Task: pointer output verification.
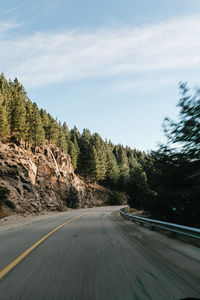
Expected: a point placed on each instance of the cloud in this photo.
(141, 85)
(46, 58)
(4, 12)
(6, 27)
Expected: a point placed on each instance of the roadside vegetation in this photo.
(172, 189)
(72, 200)
(165, 182)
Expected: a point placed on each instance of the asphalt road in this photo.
(98, 256)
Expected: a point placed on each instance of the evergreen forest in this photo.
(164, 183)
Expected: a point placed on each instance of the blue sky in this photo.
(110, 66)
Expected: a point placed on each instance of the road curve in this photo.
(97, 256)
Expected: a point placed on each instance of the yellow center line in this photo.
(9, 267)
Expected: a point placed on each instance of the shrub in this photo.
(72, 200)
(116, 198)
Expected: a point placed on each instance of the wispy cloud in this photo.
(44, 58)
(6, 27)
(8, 11)
(141, 85)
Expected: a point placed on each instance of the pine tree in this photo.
(3, 84)
(66, 131)
(91, 156)
(18, 110)
(74, 133)
(74, 151)
(122, 162)
(75, 139)
(18, 117)
(37, 131)
(6, 96)
(112, 171)
(45, 122)
(84, 143)
(137, 188)
(186, 131)
(52, 130)
(133, 162)
(94, 165)
(4, 126)
(73, 154)
(73, 200)
(75, 142)
(62, 142)
(29, 112)
(101, 152)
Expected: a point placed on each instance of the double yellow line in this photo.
(9, 267)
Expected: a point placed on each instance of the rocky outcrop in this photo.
(41, 180)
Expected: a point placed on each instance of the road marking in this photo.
(9, 267)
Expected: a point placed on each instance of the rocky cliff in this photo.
(41, 180)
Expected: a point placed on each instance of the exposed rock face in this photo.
(41, 181)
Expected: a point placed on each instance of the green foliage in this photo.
(45, 122)
(173, 173)
(92, 157)
(72, 200)
(29, 112)
(4, 125)
(100, 159)
(175, 181)
(94, 165)
(66, 131)
(6, 96)
(18, 110)
(52, 130)
(137, 187)
(83, 167)
(165, 182)
(36, 128)
(116, 198)
(122, 161)
(73, 154)
(112, 170)
(62, 141)
(186, 131)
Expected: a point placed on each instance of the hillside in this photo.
(42, 180)
(44, 165)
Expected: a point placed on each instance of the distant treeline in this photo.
(166, 183)
(92, 157)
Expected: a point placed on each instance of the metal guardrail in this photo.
(183, 230)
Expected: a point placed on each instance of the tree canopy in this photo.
(165, 182)
(92, 157)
